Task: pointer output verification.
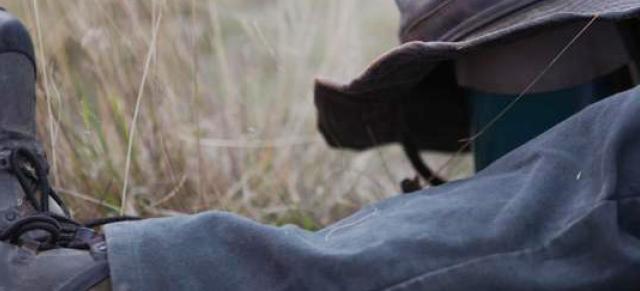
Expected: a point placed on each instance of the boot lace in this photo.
(47, 230)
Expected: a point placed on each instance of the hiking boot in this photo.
(23, 167)
(41, 247)
(57, 269)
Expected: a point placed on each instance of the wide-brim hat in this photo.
(412, 90)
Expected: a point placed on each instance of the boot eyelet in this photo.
(10, 216)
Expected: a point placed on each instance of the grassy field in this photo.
(160, 108)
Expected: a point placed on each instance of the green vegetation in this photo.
(222, 94)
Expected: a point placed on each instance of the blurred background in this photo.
(160, 108)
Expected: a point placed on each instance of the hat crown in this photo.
(443, 20)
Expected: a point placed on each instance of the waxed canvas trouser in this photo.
(561, 212)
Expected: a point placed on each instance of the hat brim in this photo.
(375, 108)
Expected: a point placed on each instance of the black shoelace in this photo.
(48, 230)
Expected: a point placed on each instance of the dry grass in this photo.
(219, 94)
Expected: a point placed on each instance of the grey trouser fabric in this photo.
(560, 213)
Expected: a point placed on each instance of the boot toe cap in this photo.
(14, 36)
